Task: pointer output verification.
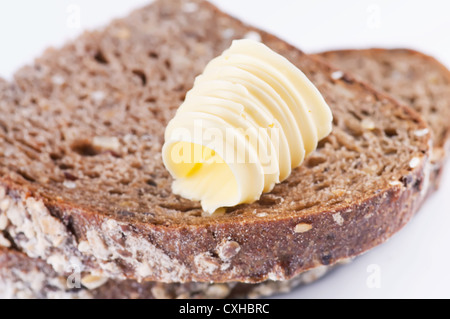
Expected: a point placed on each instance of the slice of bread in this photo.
(413, 78)
(82, 181)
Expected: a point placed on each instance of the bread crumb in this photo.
(160, 293)
(253, 35)
(106, 143)
(206, 263)
(395, 183)
(302, 228)
(58, 80)
(338, 219)
(70, 184)
(98, 96)
(338, 192)
(337, 75)
(190, 7)
(228, 33)
(420, 133)
(4, 242)
(93, 282)
(123, 33)
(217, 291)
(314, 274)
(413, 163)
(58, 262)
(368, 124)
(84, 247)
(4, 222)
(143, 270)
(97, 244)
(228, 249)
(4, 204)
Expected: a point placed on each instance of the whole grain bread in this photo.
(413, 78)
(82, 180)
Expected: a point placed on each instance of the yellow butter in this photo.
(251, 117)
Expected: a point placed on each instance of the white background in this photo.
(415, 262)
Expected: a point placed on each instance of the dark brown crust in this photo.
(269, 246)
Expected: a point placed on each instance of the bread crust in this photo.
(22, 277)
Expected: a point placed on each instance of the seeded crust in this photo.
(413, 78)
(82, 181)
(22, 277)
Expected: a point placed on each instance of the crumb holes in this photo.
(321, 186)
(412, 100)
(390, 151)
(26, 176)
(356, 116)
(390, 132)
(150, 100)
(168, 64)
(366, 113)
(100, 58)
(115, 192)
(141, 75)
(323, 142)
(418, 184)
(125, 181)
(268, 201)
(381, 170)
(153, 55)
(346, 78)
(84, 148)
(151, 182)
(335, 121)
(154, 112)
(179, 88)
(107, 123)
(70, 177)
(326, 259)
(406, 180)
(64, 166)
(3, 127)
(92, 175)
(315, 161)
(55, 156)
(163, 78)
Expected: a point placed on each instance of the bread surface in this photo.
(413, 78)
